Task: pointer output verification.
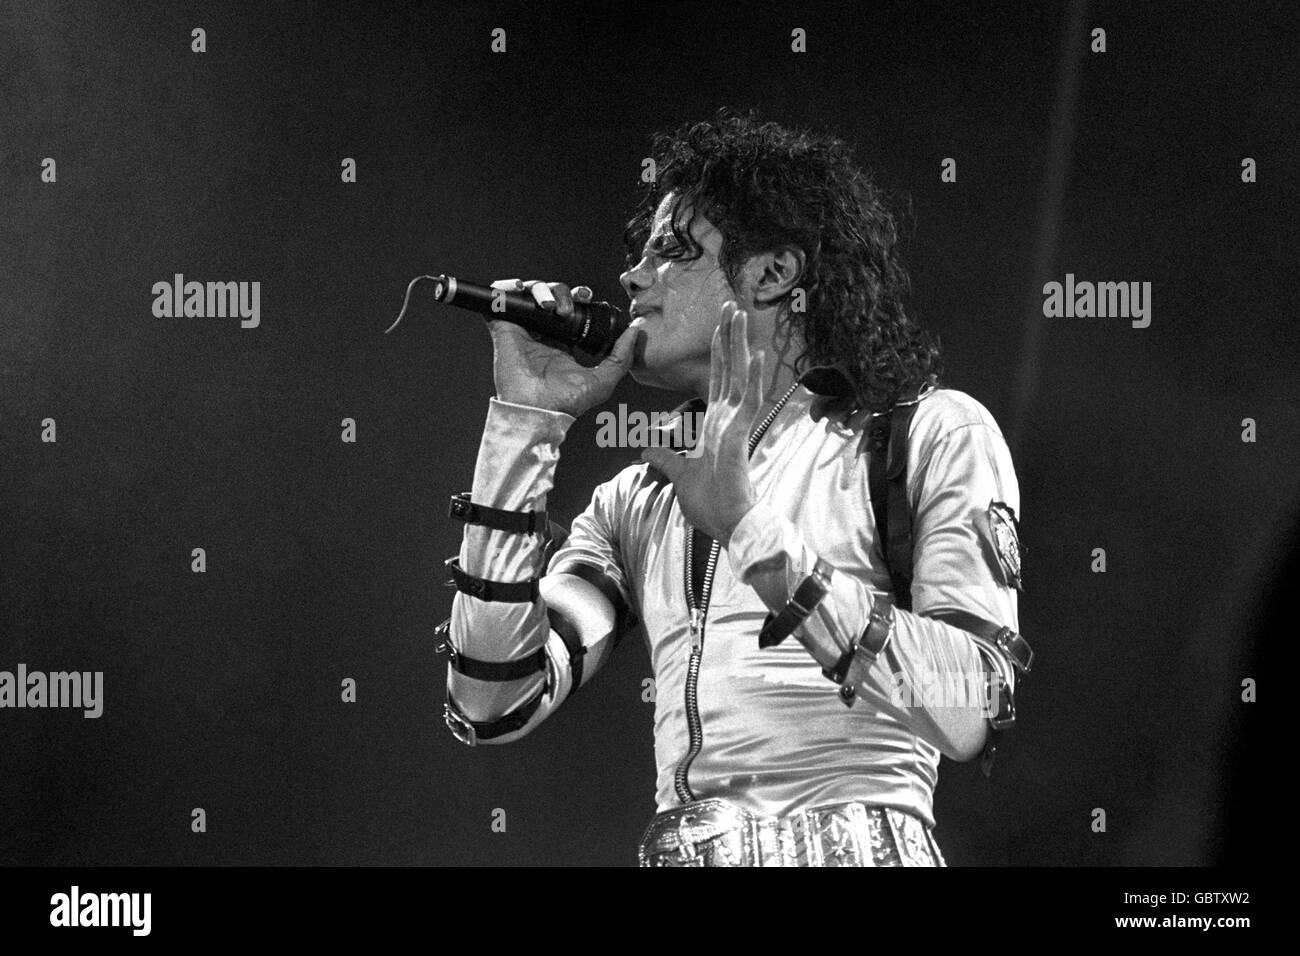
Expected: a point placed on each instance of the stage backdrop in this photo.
(320, 159)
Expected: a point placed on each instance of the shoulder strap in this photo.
(887, 481)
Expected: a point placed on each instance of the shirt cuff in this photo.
(543, 423)
(518, 454)
(761, 540)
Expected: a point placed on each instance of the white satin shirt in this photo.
(776, 737)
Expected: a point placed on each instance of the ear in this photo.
(772, 275)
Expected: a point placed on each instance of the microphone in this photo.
(592, 327)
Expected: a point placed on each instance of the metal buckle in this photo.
(1011, 642)
(701, 833)
(1006, 715)
(442, 635)
(460, 727)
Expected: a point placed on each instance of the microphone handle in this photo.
(592, 327)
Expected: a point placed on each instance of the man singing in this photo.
(827, 583)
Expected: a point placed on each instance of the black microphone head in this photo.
(602, 325)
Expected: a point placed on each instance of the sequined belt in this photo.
(717, 832)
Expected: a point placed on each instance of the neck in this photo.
(776, 383)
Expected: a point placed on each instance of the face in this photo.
(682, 304)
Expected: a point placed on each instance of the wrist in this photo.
(731, 519)
(758, 542)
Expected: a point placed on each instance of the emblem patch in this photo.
(1006, 542)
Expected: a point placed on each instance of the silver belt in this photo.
(717, 832)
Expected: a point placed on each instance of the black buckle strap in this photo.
(810, 592)
(866, 648)
(470, 732)
(1012, 645)
(517, 522)
(1015, 649)
(511, 592)
(487, 670)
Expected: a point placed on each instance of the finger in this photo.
(668, 463)
(542, 294)
(724, 346)
(582, 293)
(717, 366)
(739, 356)
(563, 298)
(619, 360)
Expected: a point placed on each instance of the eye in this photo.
(666, 247)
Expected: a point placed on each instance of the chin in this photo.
(657, 367)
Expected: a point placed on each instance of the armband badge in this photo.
(1006, 542)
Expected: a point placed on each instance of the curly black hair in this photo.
(763, 186)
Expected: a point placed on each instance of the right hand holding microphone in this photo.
(531, 372)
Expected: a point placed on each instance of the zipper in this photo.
(697, 616)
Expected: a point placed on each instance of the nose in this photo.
(637, 279)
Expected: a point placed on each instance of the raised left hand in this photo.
(712, 480)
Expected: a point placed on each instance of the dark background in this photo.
(325, 559)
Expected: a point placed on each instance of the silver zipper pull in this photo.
(697, 628)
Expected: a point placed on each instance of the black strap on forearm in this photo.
(810, 592)
(487, 670)
(471, 731)
(1013, 646)
(1016, 649)
(513, 592)
(517, 522)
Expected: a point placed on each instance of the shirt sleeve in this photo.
(515, 471)
(952, 484)
(958, 563)
(593, 544)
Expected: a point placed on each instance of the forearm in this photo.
(514, 472)
(933, 672)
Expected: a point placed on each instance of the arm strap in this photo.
(514, 592)
(517, 522)
(471, 732)
(487, 670)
